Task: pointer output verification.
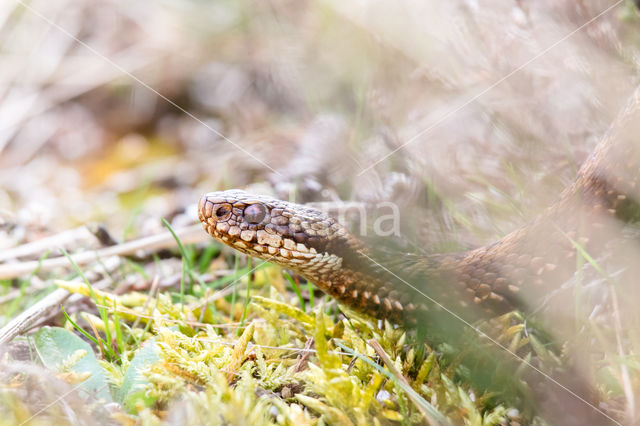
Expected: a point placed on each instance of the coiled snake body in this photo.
(514, 272)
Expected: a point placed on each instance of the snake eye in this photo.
(223, 212)
(255, 213)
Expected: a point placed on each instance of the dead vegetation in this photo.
(114, 115)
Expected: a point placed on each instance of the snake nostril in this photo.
(255, 213)
(223, 212)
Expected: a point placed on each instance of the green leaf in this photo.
(56, 345)
(134, 383)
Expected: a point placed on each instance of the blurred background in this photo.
(123, 113)
(472, 116)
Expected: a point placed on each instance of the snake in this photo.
(514, 272)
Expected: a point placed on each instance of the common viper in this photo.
(515, 272)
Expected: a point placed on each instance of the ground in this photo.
(115, 117)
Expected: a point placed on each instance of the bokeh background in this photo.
(501, 102)
(471, 116)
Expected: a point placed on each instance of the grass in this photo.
(252, 344)
(252, 369)
(258, 368)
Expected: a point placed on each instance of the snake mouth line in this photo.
(264, 251)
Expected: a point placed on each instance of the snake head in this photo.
(296, 236)
(305, 240)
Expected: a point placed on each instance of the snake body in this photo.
(514, 272)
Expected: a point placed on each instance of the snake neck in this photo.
(520, 270)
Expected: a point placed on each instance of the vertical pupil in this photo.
(255, 213)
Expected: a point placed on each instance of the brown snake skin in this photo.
(515, 272)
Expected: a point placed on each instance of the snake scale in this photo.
(515, 272)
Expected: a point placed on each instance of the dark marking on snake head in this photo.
(284, 231)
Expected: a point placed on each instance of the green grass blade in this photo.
(296, 288)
